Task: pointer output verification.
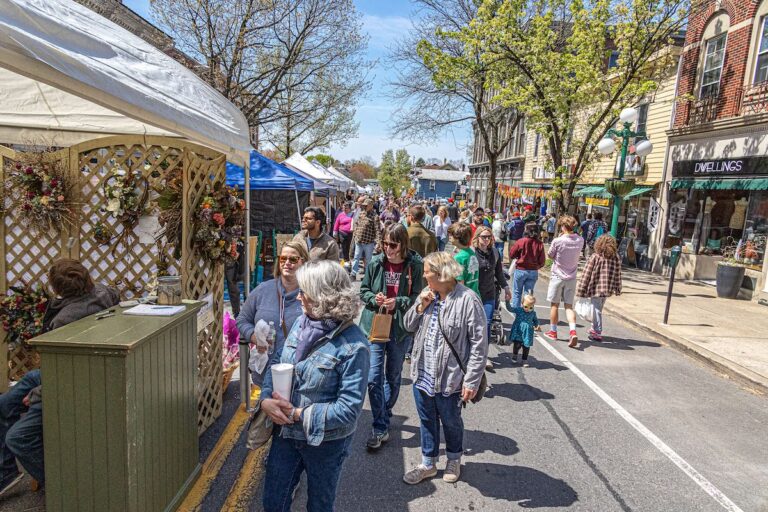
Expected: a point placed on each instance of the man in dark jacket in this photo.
(453, 211)
(22, 438)
(420, 239)
(515, 229)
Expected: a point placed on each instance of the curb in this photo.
(728, 369)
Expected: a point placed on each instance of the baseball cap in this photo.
(479, 209)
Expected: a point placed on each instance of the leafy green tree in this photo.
(420, 162)
(324, 160)
(548, 60)
(394, 171)
(443, 84)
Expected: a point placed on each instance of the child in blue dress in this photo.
(522, 332)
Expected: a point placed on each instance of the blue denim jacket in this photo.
(330, 384)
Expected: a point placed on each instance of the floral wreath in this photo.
(39, 192)
(219, 218)
(22, 312)
(127, 194)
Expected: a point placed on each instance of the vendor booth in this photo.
(139, 141)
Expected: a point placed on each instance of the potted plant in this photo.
(730, 274)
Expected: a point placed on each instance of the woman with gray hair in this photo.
(330, 356)
(445, 312)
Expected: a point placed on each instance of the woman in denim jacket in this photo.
(331, 360)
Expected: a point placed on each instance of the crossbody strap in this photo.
(450, 345)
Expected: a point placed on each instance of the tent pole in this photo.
(245, 378)
(298, 208)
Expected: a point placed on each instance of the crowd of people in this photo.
(437, 271)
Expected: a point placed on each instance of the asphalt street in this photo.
(653, 431)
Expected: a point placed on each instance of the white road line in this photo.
(660, 445)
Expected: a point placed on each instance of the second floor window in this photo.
(713, 67)
(536, 145)
(761, 70)
(642, 119)
(431, 184)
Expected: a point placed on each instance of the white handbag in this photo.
(585, 309)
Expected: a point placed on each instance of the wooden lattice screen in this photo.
(132, 264)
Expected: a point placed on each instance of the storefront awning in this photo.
(721, 184)
(638, 191)
(536, 185)
(592, 191)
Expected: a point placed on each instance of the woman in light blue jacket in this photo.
(331, 359)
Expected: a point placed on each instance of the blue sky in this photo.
(384, 21)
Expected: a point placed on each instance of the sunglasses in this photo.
(293, 259)
(391, 245)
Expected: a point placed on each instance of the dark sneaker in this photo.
(374, 442)
(452, 471)
(9, 482)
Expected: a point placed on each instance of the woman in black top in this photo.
(491, 275)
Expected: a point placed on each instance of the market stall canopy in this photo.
(339, 181)
(348, 183)
(299, 163)
(721, 184)
(267, 174)
(67, 74)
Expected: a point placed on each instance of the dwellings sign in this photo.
(725, 167)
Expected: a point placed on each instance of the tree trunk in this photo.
(490, 197)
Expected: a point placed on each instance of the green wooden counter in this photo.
(120, 412)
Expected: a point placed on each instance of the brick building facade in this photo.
(716, 198)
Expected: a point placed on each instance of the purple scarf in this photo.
(310, 332)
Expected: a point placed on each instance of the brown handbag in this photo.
(381, 326)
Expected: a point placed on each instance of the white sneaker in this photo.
(452, 471)
(419, 473)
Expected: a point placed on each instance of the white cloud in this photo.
(384, 30)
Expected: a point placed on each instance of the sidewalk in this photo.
(729, 335)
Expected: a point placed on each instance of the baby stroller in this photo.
(497, 326)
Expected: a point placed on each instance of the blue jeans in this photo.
(22, 438)
(500, 249)
(489, 307)
(597, 313)
(362, 251)
(434, 410)
(289, 458)
(384, 380)
(523, 281)
(441, 244)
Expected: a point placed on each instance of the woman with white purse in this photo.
(600, 279)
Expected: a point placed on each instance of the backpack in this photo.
(600, 230)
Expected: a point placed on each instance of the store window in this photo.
(761, 69)
(729, 223)
(713, 67)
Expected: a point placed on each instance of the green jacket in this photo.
(421, 240)
(411, 283)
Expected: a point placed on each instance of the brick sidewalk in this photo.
(729, 335)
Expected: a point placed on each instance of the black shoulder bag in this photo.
(483, 381)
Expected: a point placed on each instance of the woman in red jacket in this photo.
(530, 256)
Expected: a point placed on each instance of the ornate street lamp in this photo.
(619, 187)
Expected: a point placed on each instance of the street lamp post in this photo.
(619, 187)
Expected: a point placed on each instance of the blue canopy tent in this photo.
(271, 187)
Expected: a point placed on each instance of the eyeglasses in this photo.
(293, 259)
(392, 245)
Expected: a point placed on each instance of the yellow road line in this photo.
(248, 481)
(216, 458)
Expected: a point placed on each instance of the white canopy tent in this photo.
(67, 75)
(348, 183)
(298, 162)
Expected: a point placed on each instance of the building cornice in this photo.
(737, 125)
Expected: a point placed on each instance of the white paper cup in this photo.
(282, 379)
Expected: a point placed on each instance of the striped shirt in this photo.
(428, 362)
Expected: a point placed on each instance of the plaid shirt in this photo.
(600, 278)
(367, 228)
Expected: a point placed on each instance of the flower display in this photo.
(219, 218)
(22, 312)
(126, 194)
(38, 191)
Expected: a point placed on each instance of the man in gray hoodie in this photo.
(22, 438)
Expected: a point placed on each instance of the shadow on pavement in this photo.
(528, 487)
(517, 392)
(504, 360)
(616, 343)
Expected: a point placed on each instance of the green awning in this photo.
(721, 184)
(535, 185)
(638, 191)
(592, 191)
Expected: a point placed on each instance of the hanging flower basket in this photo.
(219, 219)
(127, 194)
(619, 187)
